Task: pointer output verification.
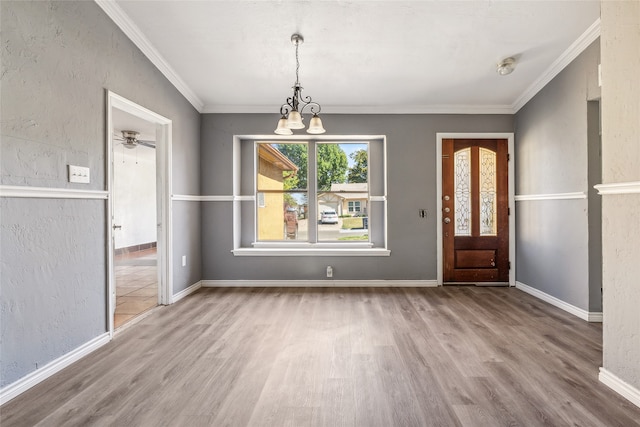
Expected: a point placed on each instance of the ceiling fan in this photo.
(130, 140)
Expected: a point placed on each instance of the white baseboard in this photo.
(624, 389)
(320, 283)
(25, 383)
(594, 316)
(186, 292)
(583, 314)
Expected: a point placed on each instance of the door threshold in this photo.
(476, 283)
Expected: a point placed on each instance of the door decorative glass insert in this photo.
(462, 186)
(488, 212)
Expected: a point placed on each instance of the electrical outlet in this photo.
(329, 271)
(79, 174)
(184, 260)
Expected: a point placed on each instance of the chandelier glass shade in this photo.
(291, 111)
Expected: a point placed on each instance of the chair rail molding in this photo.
(25, 191)
(550, 196)
(632, 187)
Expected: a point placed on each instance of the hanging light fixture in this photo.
(291, 111)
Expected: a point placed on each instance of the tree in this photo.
(332, 166)
(358, 172)
(297, 153)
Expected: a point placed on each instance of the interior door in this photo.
(475, 211)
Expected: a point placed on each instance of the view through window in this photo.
(338, 180)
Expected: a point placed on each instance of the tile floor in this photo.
(136, 284)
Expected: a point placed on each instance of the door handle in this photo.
(117, 227)
(447, 220)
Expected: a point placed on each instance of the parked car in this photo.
(328, 216)
(291, 223)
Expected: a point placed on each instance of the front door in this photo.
(475, 210)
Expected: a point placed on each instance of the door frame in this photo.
(509, 136)
(163, 203)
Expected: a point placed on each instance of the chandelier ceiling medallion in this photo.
(291, 111)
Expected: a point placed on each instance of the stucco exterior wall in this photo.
(271, 216)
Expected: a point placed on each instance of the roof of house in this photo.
(349, 191)
(272, 155)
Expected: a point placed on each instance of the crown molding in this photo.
(131, 30)
(380, 109)
(588, 37)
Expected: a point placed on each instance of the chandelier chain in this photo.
(297, 65)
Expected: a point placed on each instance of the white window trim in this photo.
(303, 248)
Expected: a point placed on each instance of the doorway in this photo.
(134, 216)
(139, 222)
(475, 212)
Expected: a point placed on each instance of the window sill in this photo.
(311, 250)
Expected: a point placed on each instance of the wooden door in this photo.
(475, 210)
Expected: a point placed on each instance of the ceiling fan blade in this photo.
(149, 144)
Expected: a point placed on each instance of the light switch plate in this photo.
(79, 174)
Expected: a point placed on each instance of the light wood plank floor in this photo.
(452, 356)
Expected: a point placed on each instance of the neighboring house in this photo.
(354, 197)
(345, 199)
(272, 164)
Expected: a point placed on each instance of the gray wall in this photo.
(552, 157)
(57, 60)
(411, 170)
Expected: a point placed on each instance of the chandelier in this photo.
(291, 111)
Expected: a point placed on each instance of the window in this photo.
(281, 183)
(310, 197)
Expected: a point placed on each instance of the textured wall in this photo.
(552, 135)
(411, 169)
(57, 60)
(621, 163)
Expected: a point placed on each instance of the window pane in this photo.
(281, 206)
(343, 191)
(462, 186)
(488, 213)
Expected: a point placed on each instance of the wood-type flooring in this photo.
(448, 356)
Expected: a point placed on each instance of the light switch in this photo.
(79, 174)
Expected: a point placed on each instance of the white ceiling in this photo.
(122, 120)
(359, 56)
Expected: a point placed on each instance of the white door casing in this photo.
(163, 176)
